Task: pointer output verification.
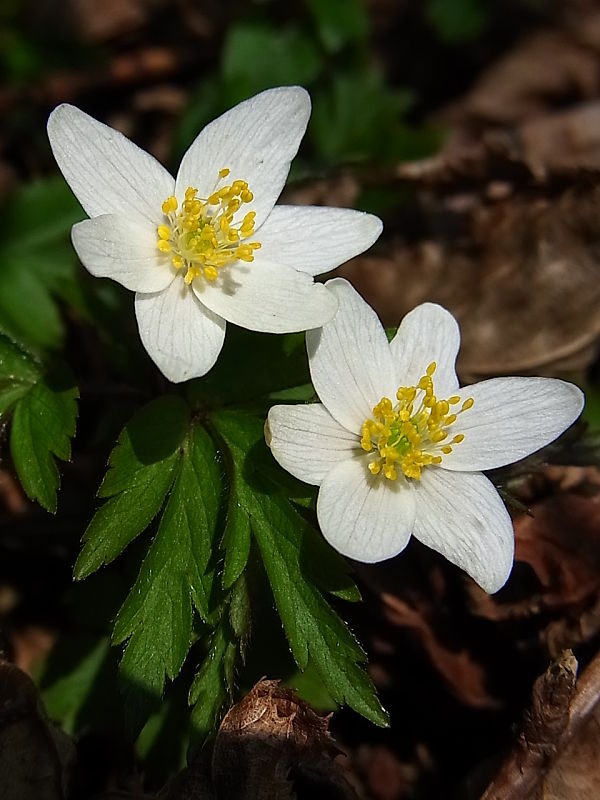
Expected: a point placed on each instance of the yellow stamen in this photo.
(202, 234)
(411, 435)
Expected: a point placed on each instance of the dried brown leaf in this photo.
(543, 728)
(264, 738)
(464, 676)
(561, 543)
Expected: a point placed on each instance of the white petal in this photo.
(256, 140)
(107, 173)
(511, 418)
(314, 239)
(464, 519)
(427, 333)
(308, 442)
(182, 337)
(350, 360)
(362, 516)
(113, 247)
(267, 297)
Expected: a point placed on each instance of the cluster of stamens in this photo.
(413, 433)
(200, 236)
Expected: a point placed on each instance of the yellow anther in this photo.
(450, 420)
(169, 205)
(375, 467)
(211, 273)
(223, 173)
(447, 449)
(164, 247)
(468, 404)
(439, 436)
(454, 399)
(458, 438)
(247, 196)
(164, 232)
(442, 407)
(390, 473)
(177, 262)
(431, 368)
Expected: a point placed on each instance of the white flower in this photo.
(210, 245)
(396, 446)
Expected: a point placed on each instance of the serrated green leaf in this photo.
(236, 542)
(211, 688)
(42, 426)
(18, 373)
(178, 571)
(313, 629)
(141, 471)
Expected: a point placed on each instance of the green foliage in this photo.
(251, 50)
(339, 22)
(70, 679)
(37, 262)
(244, 372)
(212, 687)
(312, 627)
(156, 618)
(457, 21)
(142, 469)
(340, 134)
(333, 67)
(44, 411)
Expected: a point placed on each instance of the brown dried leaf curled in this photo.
(267, 738)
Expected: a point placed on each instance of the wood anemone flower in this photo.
(209, 246)
(397, 448)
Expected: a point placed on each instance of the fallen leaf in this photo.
(269, 738)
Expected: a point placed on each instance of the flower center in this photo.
(200, 235)
(414, 433)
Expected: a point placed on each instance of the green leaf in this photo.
(339, 22)
(39, 213)
(71, 677)
(178, 571)
(42, 426)
(212, 687)
(313, 629)
(236, 541)
(376, 134)
(457, 21)
(19, 372)
(252, 49)
(37, 263)
(244, 371)
(141, 471)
